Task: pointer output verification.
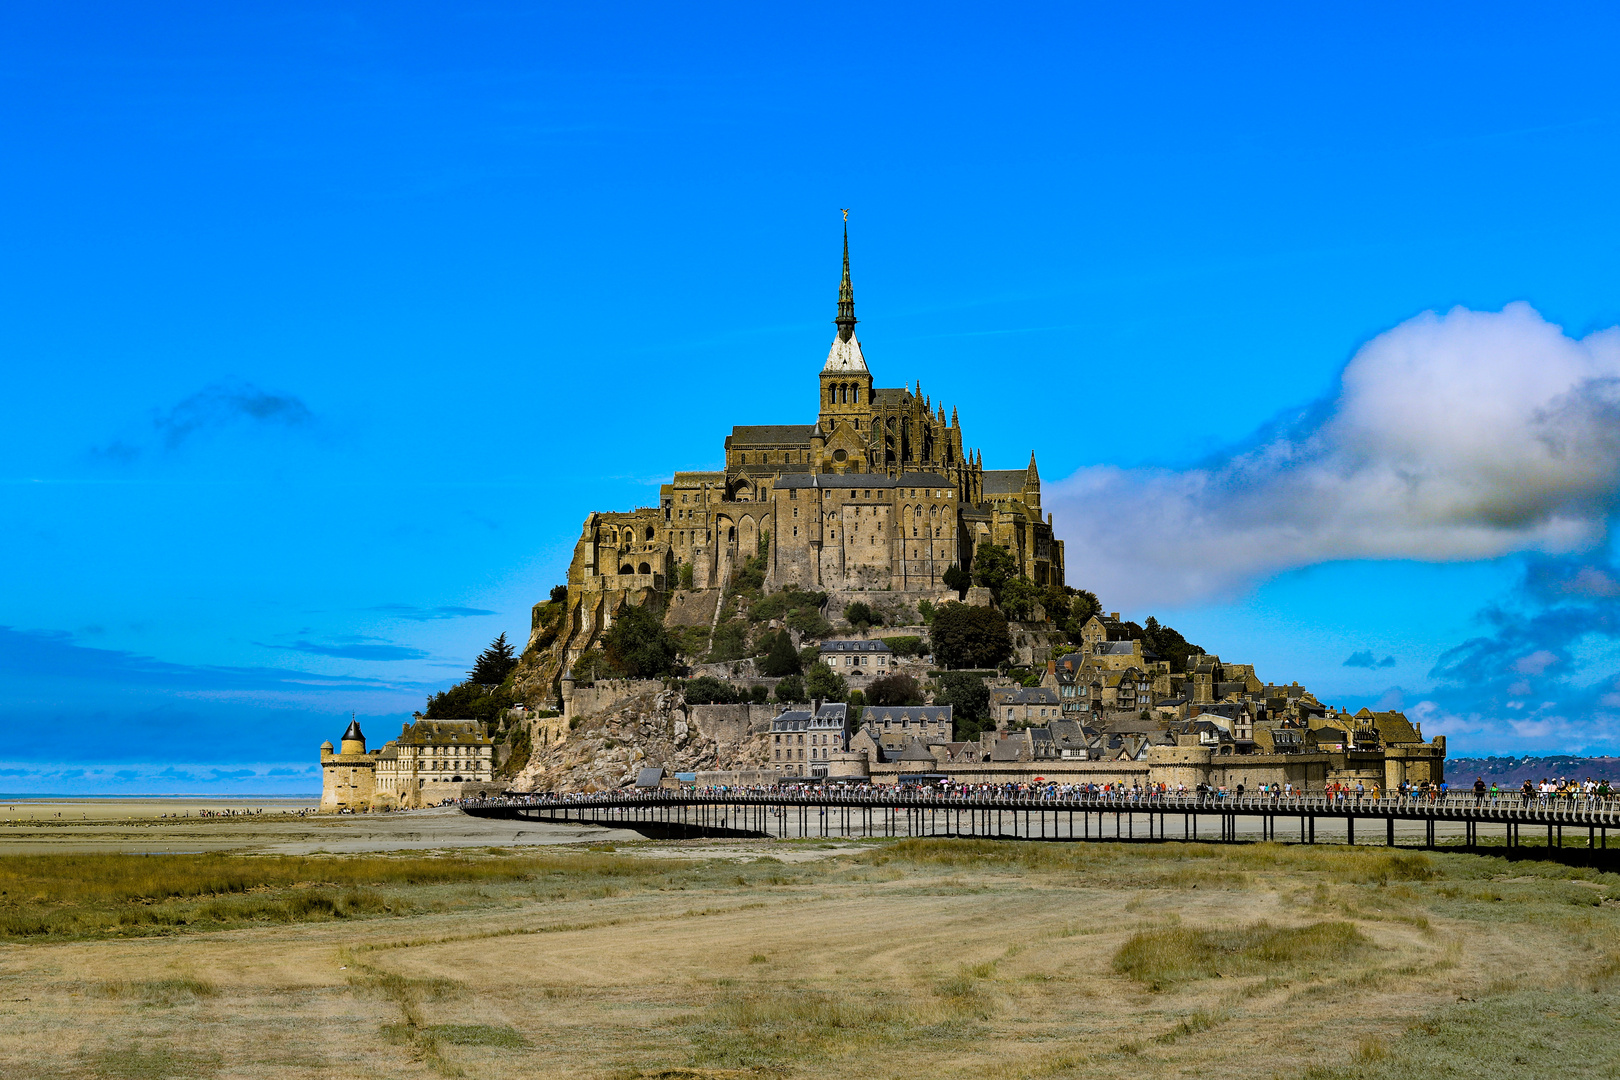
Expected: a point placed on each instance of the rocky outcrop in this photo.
(650, 729)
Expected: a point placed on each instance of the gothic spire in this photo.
(846, 294)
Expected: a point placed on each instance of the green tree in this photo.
(758, 694)
(790, 691)
(955, 578)
(993, 567)
(683, 575)
(1018, 599)
(969, 699)
(966, 636)
(925, 611)
(906, 645)
(494, 663)
(730, 642)
(1168, 644)
(860, 615)
(857, 702)
(639, 646)
(1082, 607)
(708, 690)
(809, 622)
(781, 659)
(559, 594)
(825, 683)
(469, 701)
(896, 689)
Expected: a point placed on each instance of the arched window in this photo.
(627, 569)
(855, 393)
(643, 569)
(651, 532)
(742, 459)
(731, 534)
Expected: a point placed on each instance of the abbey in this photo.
(881, 492)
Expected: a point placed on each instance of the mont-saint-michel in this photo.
(858, 600)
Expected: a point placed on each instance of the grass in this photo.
(1519, 1033)
(1178, 954)
(78, 896)
(157, 992)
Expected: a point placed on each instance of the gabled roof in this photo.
(915, 751)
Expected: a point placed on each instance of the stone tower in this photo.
(846, 390)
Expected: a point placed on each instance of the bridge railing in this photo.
(1451, 804)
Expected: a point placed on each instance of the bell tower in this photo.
(846, 384)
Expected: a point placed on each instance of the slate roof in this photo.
(902, 714)
(1004, 481)
(773, 435)
(923, 479)
(851, 646)
(830, 718)
(834, 480)
(1023, 695)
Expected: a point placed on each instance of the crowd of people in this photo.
(1548, 794)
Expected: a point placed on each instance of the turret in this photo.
(354, 742)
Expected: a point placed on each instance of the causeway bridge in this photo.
(1063, 816)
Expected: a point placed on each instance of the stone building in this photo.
(803, 743)
(880, 492)
(1023, 705)
(431, 761)
(348, 776)
(858, 659)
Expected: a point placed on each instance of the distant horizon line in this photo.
(19, 796)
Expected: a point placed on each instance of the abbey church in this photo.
(881, 492)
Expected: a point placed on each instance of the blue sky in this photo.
(324, 326)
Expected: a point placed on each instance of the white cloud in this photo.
(1536, 663)
(1456, 437)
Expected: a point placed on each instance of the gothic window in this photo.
(650, 532)
(855, 395)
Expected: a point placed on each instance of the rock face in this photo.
(647, 730)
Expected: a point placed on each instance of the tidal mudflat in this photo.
(628, 958)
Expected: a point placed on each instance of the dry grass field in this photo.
(942, 958)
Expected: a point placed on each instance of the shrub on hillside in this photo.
(896, 689)
(970, 637)
(708, 690)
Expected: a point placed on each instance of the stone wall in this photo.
(730, 726)
(604, 694)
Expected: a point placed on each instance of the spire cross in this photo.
(846, 293)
